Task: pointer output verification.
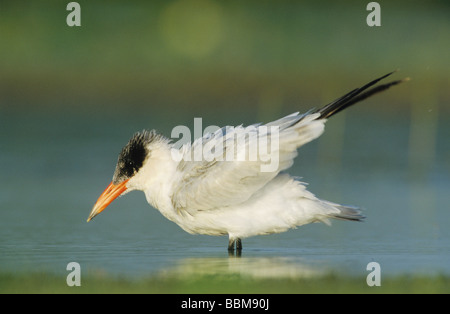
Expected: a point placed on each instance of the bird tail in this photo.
(338, 211)
(347, 212)
(355, 96)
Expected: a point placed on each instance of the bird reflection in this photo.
(250, 267)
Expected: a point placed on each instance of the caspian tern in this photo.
(234, 198)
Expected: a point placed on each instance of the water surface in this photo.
(53, 168)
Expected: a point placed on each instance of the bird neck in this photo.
(157, 176)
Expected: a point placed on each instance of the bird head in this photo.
(131, 161)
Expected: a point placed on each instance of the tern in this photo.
(235, 198)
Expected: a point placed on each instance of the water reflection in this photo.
(248, 267)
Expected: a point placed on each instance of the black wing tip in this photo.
(357, 95)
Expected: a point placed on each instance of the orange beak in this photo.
(106, 198)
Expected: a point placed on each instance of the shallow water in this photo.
(53, 168)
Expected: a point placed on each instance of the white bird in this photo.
(234, 198)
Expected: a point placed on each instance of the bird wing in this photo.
(209, 183)
(229, 172)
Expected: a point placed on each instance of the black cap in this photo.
(133, 155)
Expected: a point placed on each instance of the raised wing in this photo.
(218, 181)
(227, 167)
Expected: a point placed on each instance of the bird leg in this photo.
(238, 244)
(231, 245)
(233, 242)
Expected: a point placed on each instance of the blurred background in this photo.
(71, 97)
